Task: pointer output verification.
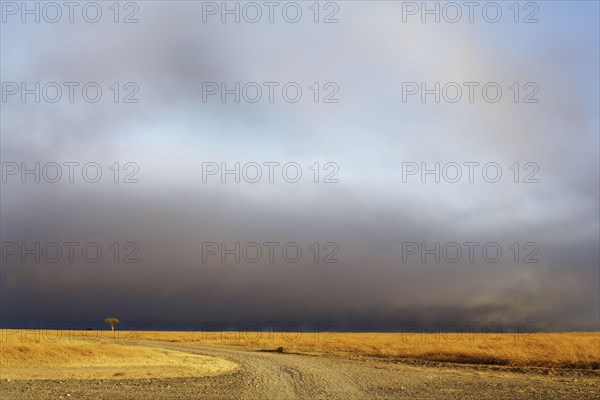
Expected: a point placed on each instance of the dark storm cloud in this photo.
(369, 214)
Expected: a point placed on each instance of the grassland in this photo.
(57, 355)
(174, 365)
(547, 350)
(83, 354)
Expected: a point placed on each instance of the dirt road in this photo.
(271, 375)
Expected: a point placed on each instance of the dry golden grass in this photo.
(549, 350)
(24, 357)
(77, 354)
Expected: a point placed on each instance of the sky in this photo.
(167, 225)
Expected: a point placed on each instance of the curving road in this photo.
(270, 375)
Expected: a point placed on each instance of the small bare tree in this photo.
(112, 321)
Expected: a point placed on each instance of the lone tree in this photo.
(112, 321)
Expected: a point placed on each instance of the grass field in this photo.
(79, 354)
(56, 356)
(549, 350)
